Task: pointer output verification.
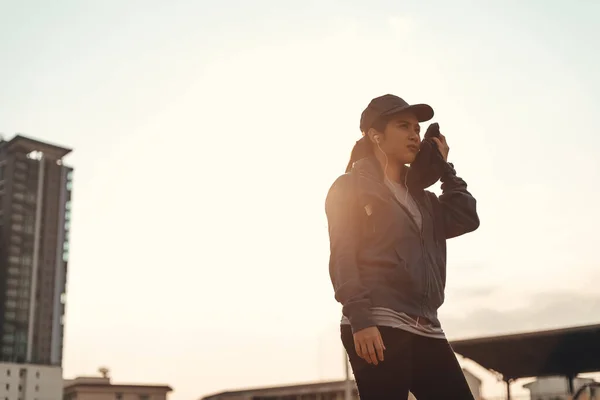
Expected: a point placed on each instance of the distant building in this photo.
(35, 212)
(101, 388)
(554, 388)
(334, 390)
(30, 382)
(311, 391)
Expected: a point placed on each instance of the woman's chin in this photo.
(409, 158)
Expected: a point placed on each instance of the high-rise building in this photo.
(35, 213)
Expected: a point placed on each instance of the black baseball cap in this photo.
(389, 104)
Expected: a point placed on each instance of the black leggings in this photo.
(426, 367)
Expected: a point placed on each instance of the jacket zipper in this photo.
(425, 259)
(420, 230)
(423, 253)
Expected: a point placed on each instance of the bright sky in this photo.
(206, 135)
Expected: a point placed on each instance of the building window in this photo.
(22, 316)
(8, 372)
(37, 374)
(26, 260)
(144, 397)
(17, 227)
(118, 396)
(8, 338)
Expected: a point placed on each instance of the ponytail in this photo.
(362, 149)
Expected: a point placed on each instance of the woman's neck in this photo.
(395, 170)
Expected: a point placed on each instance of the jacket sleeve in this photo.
(459, 207)
(343, 216)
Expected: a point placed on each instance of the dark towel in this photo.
(429, 164)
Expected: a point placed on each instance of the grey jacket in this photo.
(379, 256)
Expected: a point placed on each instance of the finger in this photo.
(360, 349)
(442, 145)
(372, 352)
(379, 349)
(444, 142)
(438, 142)
(357, 348)
(364, 348)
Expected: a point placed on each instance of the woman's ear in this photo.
(374, 136)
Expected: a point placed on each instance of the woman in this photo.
(388, 257)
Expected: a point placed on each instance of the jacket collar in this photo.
(370, 167)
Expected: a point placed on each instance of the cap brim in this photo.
(423, 112)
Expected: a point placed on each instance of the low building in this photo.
(101, 388)
(30, 382)
(565, 352)
(310, 391)
(554, 387)
(334, 390)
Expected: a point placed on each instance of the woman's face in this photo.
(401, 140)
